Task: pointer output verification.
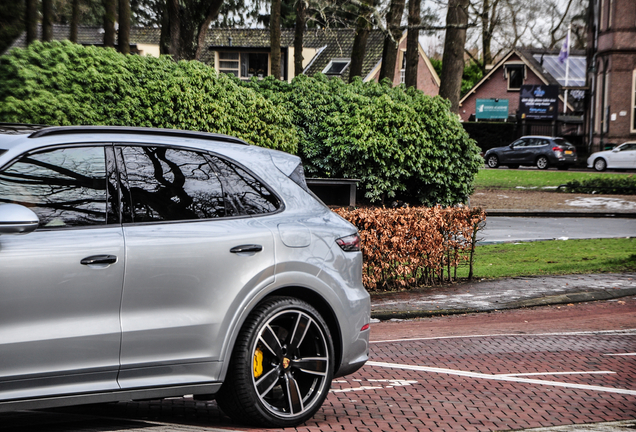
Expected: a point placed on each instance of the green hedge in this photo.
(400, 143)
(60, 83)
(625, 185)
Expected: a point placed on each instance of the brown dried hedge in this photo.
(415, 246)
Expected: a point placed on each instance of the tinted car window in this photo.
(167, 184)
(248, 194)
(64, 187)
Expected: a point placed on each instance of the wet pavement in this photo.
(500, 294)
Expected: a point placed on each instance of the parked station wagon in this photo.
(148, 263)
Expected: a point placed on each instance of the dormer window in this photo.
(515, 73)
(336, 66)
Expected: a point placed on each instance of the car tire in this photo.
(542, 162)
(513, 166)
(281, 367)
(492, 161)
(600, 164)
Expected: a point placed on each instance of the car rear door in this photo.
(61, 284)
(191, 251)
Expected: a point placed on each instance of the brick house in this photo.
(245, 52)
(611, 111)
(528, 67)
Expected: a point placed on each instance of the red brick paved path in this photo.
(391, 399)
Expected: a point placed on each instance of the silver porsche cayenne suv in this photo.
(148, 263)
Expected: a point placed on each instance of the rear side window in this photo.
(247, 193)
(163, 184)
(64, 187)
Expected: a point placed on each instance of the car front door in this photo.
(191, 252)
(511, 153)
(61, 284)
(625, 157)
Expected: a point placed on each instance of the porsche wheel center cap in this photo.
(286, 362)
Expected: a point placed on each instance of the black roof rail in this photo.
(19, 128)
(67, 130)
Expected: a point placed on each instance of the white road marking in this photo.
(392, 383)
(501, 378)
(556, 373)
(622, 354)
(355, 389)
(602, 332)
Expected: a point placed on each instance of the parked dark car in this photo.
(540, 151)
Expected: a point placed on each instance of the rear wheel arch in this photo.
(326, 312)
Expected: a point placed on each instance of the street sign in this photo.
(489, 109)
(539, 102)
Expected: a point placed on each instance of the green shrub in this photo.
(60, 83)
(399, 143)
(624, 185)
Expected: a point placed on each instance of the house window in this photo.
(244, 65)
(336, 66)
(403, 68)
(254, 64)
(229, 63)
(515, 73)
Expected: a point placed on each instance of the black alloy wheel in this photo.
(282, 365)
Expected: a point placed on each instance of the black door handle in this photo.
(247, 248)
(99, 259)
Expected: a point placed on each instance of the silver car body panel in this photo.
(169, 300)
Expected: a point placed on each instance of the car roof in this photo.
(15, 142)
(29, 137)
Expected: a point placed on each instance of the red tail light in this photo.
(350, 243)
(557, 149)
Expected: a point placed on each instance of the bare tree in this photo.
(453, 58)
(124, 27)
(363, 26)
(110, 17)
(185, 24)
(412, 41)
(75, 16)
(390, 50)
(274, 36)
(301, 9)
(31, 20)
(47, 20)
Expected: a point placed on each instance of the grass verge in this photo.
(555, 257)
(510, 179)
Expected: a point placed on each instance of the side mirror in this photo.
(17, 219)
(615, 150)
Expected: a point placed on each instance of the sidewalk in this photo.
(491, 295)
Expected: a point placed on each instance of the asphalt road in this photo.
(511, 229)
(507, 370)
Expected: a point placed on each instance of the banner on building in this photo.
(539, 102)
(491, 109)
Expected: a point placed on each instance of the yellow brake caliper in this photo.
(258, 363)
